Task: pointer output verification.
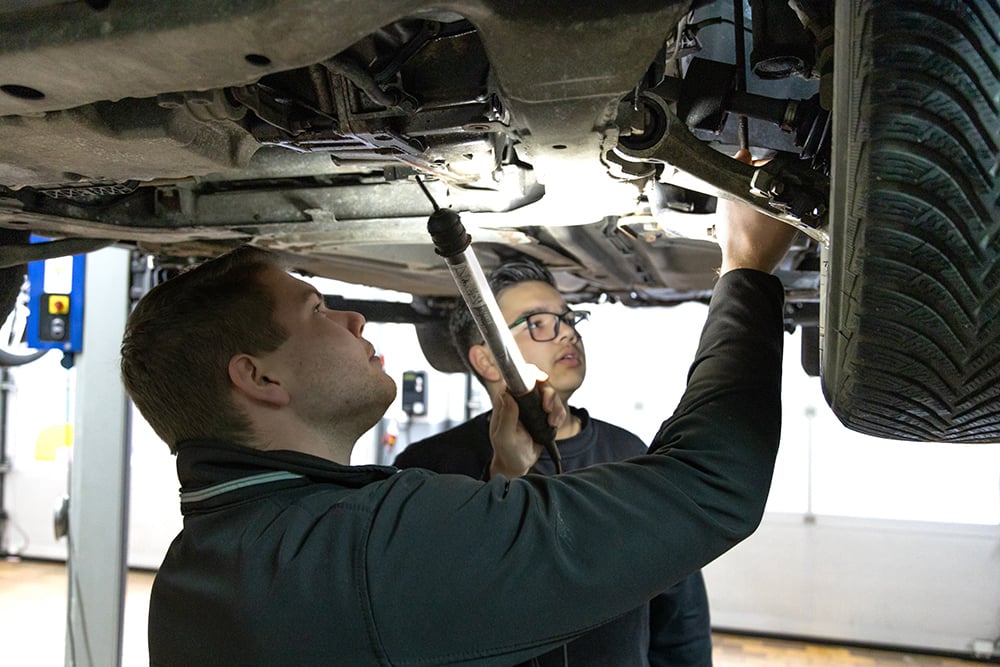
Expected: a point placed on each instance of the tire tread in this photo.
(912, 342)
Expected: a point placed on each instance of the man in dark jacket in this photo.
(674, 629)
(290, 556)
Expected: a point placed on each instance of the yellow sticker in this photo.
(51, 439)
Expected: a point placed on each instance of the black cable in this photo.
(427, 192)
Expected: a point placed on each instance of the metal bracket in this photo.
(786, 193)
(786, 190)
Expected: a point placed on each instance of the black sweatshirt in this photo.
(678, 617)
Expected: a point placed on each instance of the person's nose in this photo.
(567, 334)
(352, 321)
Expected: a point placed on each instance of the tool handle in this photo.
(448, 233)
(452, 242)
(536, 422)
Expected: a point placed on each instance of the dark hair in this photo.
(179, 339)
(462, 326)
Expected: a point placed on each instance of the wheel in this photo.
(11, 277)
(14, 350)
(14, 307)
(11, 280)
(435, 343)
(911, 281)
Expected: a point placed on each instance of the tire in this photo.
(13, 348)
(435, 342)
(8, 359)
(12, 277)
(11, 280)
(911, 281)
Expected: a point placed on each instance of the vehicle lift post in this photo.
(99, 473)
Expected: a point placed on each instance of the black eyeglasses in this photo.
(543, 327)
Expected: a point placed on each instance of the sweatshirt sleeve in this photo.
(502, 571)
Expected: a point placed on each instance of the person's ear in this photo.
(250, 379)
(482, 360)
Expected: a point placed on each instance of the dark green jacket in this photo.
(286, 559)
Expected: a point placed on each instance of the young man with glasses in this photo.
(674, 628)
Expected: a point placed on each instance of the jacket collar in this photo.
(213, 472)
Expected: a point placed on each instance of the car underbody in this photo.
(595, 137)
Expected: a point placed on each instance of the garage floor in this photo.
(33, 608)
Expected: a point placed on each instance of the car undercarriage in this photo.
(595, 137)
